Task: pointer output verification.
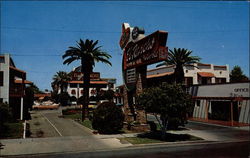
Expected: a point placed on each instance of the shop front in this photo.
(226, 104)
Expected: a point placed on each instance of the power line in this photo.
(114, 32)
(57, 30)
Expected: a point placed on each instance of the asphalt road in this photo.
(204, 150)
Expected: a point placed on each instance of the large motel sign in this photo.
(138, 52)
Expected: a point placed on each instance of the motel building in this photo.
(12, 86)
(216, 99)
(75, 85)
(197, 73)
(227, 104)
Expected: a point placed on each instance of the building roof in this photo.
(160, 75)
(42, 95)
(25, 81)
(162, 67)
(14, 68)
(206, 74)
(202, 64)
(220, 66)
(91, 82)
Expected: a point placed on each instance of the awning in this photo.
(206, 74)
(25, 82)
(160, 75)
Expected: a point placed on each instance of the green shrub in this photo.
(5, 113)
(64, 98)
(107, 118)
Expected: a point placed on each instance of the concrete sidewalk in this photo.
(59, 144)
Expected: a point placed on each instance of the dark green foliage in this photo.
(35, 89)
(5, 113)
(73, 98)
(237, 75)
(108, 118)
(5, 116)
(169, 101)
(105, 95)
(80, 100)
(109, 94)
(153, 126)
(180, 57)
(60, 80)
(55, 97)
(64, 98)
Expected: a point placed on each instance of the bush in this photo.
(5, 113)
(64, 98)
(108, 118)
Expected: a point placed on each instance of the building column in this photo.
(21, 111)
(77, 93)
(232, 113)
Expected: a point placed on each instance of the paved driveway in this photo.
(48, 123)
(212, 132)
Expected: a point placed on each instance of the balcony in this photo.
(16, 91)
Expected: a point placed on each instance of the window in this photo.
(73, 91)
(1, 78)
(220, 80)
(1, 59)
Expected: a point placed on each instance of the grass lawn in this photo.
(78, 117)
(12, 130)
(137, 140)
(155, 137)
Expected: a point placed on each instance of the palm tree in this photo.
(179, 57)
(59, 80)
(88, 53)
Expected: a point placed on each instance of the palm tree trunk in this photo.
(179, 74)
(86, 91)
(86, 82)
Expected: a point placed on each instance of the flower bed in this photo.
(71, 111)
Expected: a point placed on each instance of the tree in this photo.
(168, 101)
(179, 57)
(35, 89)
(88, 53)
(236, 75)
(60, 79)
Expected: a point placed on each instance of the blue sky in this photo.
(37, 33)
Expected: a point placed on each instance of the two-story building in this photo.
(12, 85)
(194, 74)
(75, 85)
(197, 73)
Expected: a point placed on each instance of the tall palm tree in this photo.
(179, 57)
(88, 53)
(60, 79)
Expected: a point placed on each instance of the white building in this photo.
(75, 85)
(12, 85)
(197, 73)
